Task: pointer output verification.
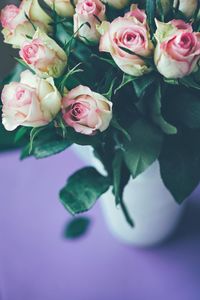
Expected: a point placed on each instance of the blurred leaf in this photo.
(180, 165)
(77, 227)
(21, 133)
(106, 60)
(157, 117)
(82, 139)
(182, 107)
(117, 126)
(144, 148)
(109, 93)
(83, 189)
(121, 176)
(191, 81)
(50, 148)
(142, 83)
(45, 142)
(125, 80)
(151, 14)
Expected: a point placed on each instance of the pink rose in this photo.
(92, 12)
(8, 16)
(127, 39)
(44, 55)
(31, 102)
(178, 49)
(86, 111)
(16, 26)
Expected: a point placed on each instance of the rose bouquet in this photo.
(121, 76)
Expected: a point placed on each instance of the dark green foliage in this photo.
(83, 189)
(77, 227)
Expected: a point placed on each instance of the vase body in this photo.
(151, 206)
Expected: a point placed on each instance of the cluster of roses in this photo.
(35, 101)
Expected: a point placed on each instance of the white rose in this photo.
(16, 26)
(63, 8)
(187, 7)
(31, 102)
(44, 55)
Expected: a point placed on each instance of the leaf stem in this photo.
(126, 214)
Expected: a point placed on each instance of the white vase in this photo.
(153, 209)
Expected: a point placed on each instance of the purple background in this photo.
(37, 263)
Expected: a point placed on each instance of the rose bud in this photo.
(20, 22)
(43, 55)
(31, 102)
(127, 39)
(178, 49)
(118, 4)
(86, 111)
(91, 12)
(187, 7)
(63, 8)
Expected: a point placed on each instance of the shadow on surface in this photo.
(189, 227)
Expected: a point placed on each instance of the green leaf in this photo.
(164, 8)
(23, 63)
(109, 93)
(186, 109)
(144, 148)
(25, 152)
(142, 83)
(65, 78)
(21, 133)
(50, 148)
(171, 81)
(82, 139)
(157, 115)
(106, 60)
(151, 13)
(33, 134)
(117, 126)
(77, 227)
(121, 177)
(161, 9)
(44, 142)
(62, 35)
(125, 80)
(117, 165)
(191, 82)
(180, 165)
(83, 189)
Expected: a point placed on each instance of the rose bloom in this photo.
(127, 39)
(86, 111)
(44, 55)
(178, 49)
(63, 8)
(31, 102)
(16, 26)
(92, 12)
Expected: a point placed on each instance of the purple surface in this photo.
(37, 263)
